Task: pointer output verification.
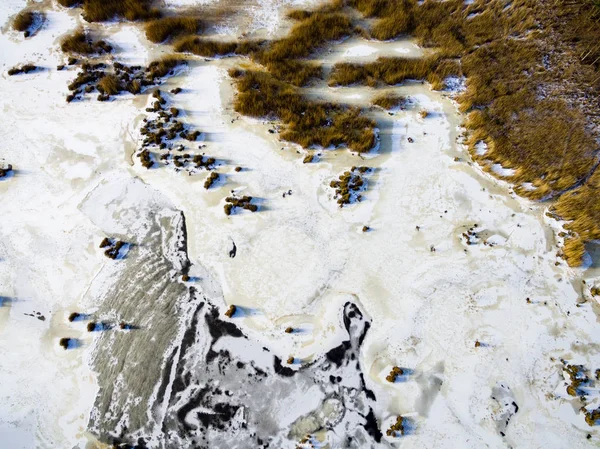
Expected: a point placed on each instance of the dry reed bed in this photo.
(102, 10)
(167, 28)
(388, 101)
(80, 42)
(306, 122)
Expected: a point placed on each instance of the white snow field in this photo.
(480, 328)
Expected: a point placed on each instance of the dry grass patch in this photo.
(581, 207)
(393, 71)
(102, 10)
(389, 100)
(166, 28)
(80, 42)
(209, 47)
(516, 57)
(68, 3)
(164, 66)
(307, 36)
(296, 72)
(109, 85)
(306, 122)
(24, 20)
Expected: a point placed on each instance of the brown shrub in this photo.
(162, 67)
(160, 30)
(109, 85)
(295, 72)
(307, 36)
(390, 71)
(102, 10)
(582, 209)
(389, 100)
(23, 20)
(205, 47)
(68, 3)
(211, 47)
(306, 122)
(80, 42)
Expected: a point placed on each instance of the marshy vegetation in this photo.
(113, 247)
(75, 316)
(210, 47)
(27, 68)
(102, 10)
(579, 385)
(66, 342)
(111, 80)
(309, 34)
(244, 202)
(5, 171)
(210, 180)
(166, 28)
(162, 130)
(23, 20)
(515, 56)
(306, 122)
(26, 20)
(398, 428)
(230, 311)
(349, 185)
(392, 71)
(81, 43)
(389, 100)
(394, 373)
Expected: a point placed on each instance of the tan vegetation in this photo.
(210, 47)
(389, 100)
(23, 69)
(166, 28)
(348, 185)
(23, 21)
(516, 57)
(296, 72)
(212, 178)
(102, 10)
(307, 36)
(532, 69)
(306, 122)
(162, 67)
(393, 71)
(64, 342)
(394, 373)
(68, 3)
(109, 85)
(80, 42)
(244, 202)
(397, 428)
(230, 311)
(5, 171)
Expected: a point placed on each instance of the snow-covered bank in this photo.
(456, 276)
